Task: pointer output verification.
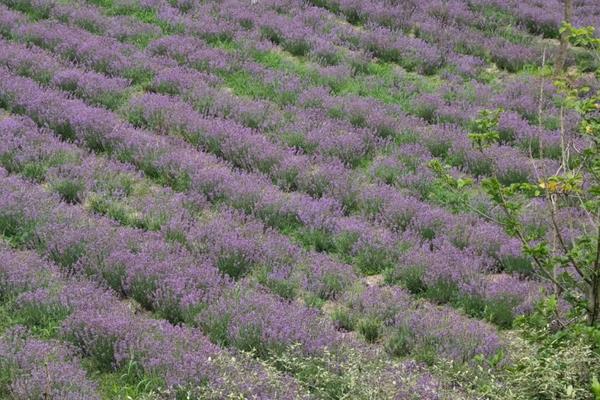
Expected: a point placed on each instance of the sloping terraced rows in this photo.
(198, 193)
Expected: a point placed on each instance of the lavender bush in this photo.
(287, 199)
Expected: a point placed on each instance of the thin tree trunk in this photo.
(561, 58)
(594, 304)
(594, 295)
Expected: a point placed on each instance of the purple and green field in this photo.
(234, 199)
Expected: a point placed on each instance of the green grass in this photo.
(388, 74)
(242, 83)
(127, 383)
(7, 319)
(145, 15)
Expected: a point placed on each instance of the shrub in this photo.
(69, 190)
(371, 260)
(370, 328)
(342, 319)
(400, 343)
(442, 291)
(410, 277)
(561, 371)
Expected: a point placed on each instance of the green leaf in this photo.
(596, 388)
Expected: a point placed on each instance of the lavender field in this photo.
(299, 199)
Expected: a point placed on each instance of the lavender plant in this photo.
(564, 255)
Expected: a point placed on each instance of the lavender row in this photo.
(122, 28)
(34, 368)
(546, 18)
(90, 248)
(86, 49)
(233, 248)
(351, 148)
(503, 102)
(428, 105)
(95, 88)
(403, 168)
(105, 55)
(245, 313)
(300, 36)
(311, 131)
(162, 277)
(406, 217)
(380, 200)
(356, 146)
(345, 147)
(106, 252)
(236, 244)
(188, 112)
(379, 312)
(365, 248)
(160, 157)
(184, 317)
(323, 202)
(303, 29)
(381, 204)
(113, 336)
(306, 31)
(452, 27)
(98, 89)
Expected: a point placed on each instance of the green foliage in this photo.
(344, 243)
(498, 311)
(454, 200)
(129, 382)
(32, 9)
(113, 210)
(100, 354)
(545, 363)
(387, 174)
(410, 277)
(484, 130)
(555, 364)
(8, 371)
(343, 319)
(372, 261)
(559, 190)
(581, 37)
(234, 264)
(142, 290)
(69, 189)
(43, 320)
(437, 167)
(217, 329)
(313, 301)
(442, 292)
(596, 388)
(16, 229)
(332, 286)
(285, 288)
(243, 84)
(370, 329)
(249, 339)
(138, 76)
(520, 265)
(331, 376)
(316, 239)
(400, 343)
